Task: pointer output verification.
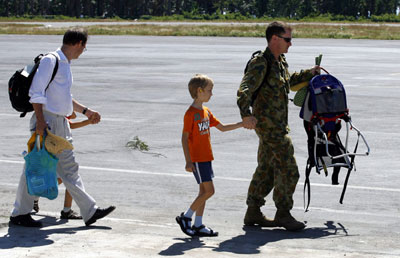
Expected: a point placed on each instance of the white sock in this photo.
(198, 221)
(189, 213)
(66, 209)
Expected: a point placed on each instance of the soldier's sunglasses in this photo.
(288, 40)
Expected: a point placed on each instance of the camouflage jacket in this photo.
(271, 103)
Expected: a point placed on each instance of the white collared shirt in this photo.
(57, 98)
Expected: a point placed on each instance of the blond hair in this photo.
(198, 81)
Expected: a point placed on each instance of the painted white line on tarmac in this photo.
(173, 225)
(103, 119)
(126, 221)
(142, 172)
(9, 114)
(140, 222)
(12, 161)
(131, 171)
(349, 212)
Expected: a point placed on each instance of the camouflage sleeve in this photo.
(251, 81)
(299, 77)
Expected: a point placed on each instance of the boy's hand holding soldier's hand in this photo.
(249, 122)
(93, 116)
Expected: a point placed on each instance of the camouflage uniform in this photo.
(277, 166)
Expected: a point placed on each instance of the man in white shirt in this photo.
(51, 107)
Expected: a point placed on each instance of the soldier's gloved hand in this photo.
(316, 70)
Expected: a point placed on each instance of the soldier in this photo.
(263, 103)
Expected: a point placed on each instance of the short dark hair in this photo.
(75, 35)
(276, 28)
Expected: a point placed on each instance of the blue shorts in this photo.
(203, 172)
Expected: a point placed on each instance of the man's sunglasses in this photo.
(288, 40)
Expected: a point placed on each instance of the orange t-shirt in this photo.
(198, 123)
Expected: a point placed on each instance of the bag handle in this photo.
(318, 60)
(324, 70)
(39, 145)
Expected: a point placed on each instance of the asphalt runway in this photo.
(139, 85)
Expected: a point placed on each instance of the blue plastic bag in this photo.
(41, 172)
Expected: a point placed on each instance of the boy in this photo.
(198, 154)
(67, 212)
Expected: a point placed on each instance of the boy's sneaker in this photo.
(184, 223)
(70, 215)
(36, 206)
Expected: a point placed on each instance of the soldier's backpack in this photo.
(323, 111)
(254, 55)
(20, 82)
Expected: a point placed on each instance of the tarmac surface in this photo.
(139, 85)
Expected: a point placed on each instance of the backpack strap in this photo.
(307, 186)
(37, 63)
(54, 70)
(255, 94)
(349, 171)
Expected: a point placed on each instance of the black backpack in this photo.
(255, 54)
(20, 82)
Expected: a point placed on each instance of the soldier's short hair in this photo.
(276, 28)
(75, 35)
(198, 81)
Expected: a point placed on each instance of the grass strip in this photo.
(365, 31)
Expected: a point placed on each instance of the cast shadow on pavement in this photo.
(18, 236)
(256, 237)
(181, 247)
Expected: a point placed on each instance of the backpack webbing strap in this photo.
(23, 114)
(307, 186)
(349, 171)
(323, 166)
(255, 94)
(54, 70)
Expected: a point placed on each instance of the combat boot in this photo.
(254, 217)
(283, 218)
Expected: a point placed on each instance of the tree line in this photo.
(132, 9)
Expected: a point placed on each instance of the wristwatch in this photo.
(84, 110)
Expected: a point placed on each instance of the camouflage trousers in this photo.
(277, 169)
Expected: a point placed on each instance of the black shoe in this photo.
(70, 215)
(25, 221)
(100, 213)
(208, 232)
(184, 223)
